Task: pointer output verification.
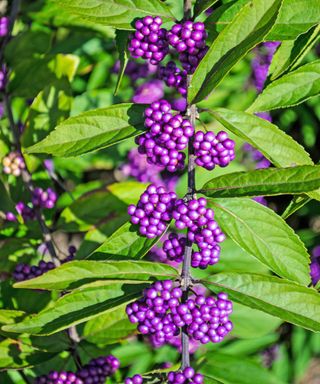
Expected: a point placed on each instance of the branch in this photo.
(186, 278)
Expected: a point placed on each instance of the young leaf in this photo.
(109, 328)
(116, 13)
(122, 43)
(231, 369)
(291, 89)
(79, 306)
(76, 273)
(248, 28)
(124, 242)
(264, 235)
(202, 5)
(92, 130)
(291, 52)
(296, 203)
(275, 145)
(279, 297)
(264, 182)
(294, 19)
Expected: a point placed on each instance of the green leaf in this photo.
(248, 28)
(279, 297)
(124, 242)
(76, 273)
(202, 5)
(122, 44)
(275, 145)
(16, 354)
(93, 130)
(116, 13)
(9, 316)
(250, 323)
(291, 89)
(49, 108)
(295, 204)
(79, 306)
(291, 52)
(230, 369)
(265, 235)
(294, 19)
(109, 328)
(264, 182)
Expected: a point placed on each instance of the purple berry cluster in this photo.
(4, 26)
(44, 198)
(13, 164)
(256, 156)
(203, 230)
(97, 370)
(154, 311)
(3, 77)
(55, 377)
(315, 265)
(174, 77)
(187, 376)
(166, 137)
(174, 247)
(24, 272)
(26, 212)
(149, 92)
(136, 379)
(153, 211)
(206, 318)
(189, 40)
(149, 40)
(212, 150)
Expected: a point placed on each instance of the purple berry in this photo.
(174, 77)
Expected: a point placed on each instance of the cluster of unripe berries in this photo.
(161, 314)
(13, 164)
(40, 199)
(24, 271)
(166, 137)
(151, 42)
(95, 372)
(212, 150)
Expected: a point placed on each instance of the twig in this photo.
(186, 279)
(25, 377)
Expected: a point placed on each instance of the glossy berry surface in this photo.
(213, 150)
(174, 247)
(149, 40)
(167, 135)
(44, 198)
(55, 377)
(4, 26)
(153, 211)
(136, 379)
(203, 230)
(174, 77)
(154, 311)
(189, 40)
(186, 376)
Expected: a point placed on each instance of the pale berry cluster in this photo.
(206, 318)
(136, 379)
(189, 40)
(13, 164)
(154, 311)
(186, 376)
(4, 26)
(153, 211)
(167, 135)
(203, 230)
(212, 150)
(149, 40)
(174, 77)
(95, 372)
(44, 198)
(26, 272)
